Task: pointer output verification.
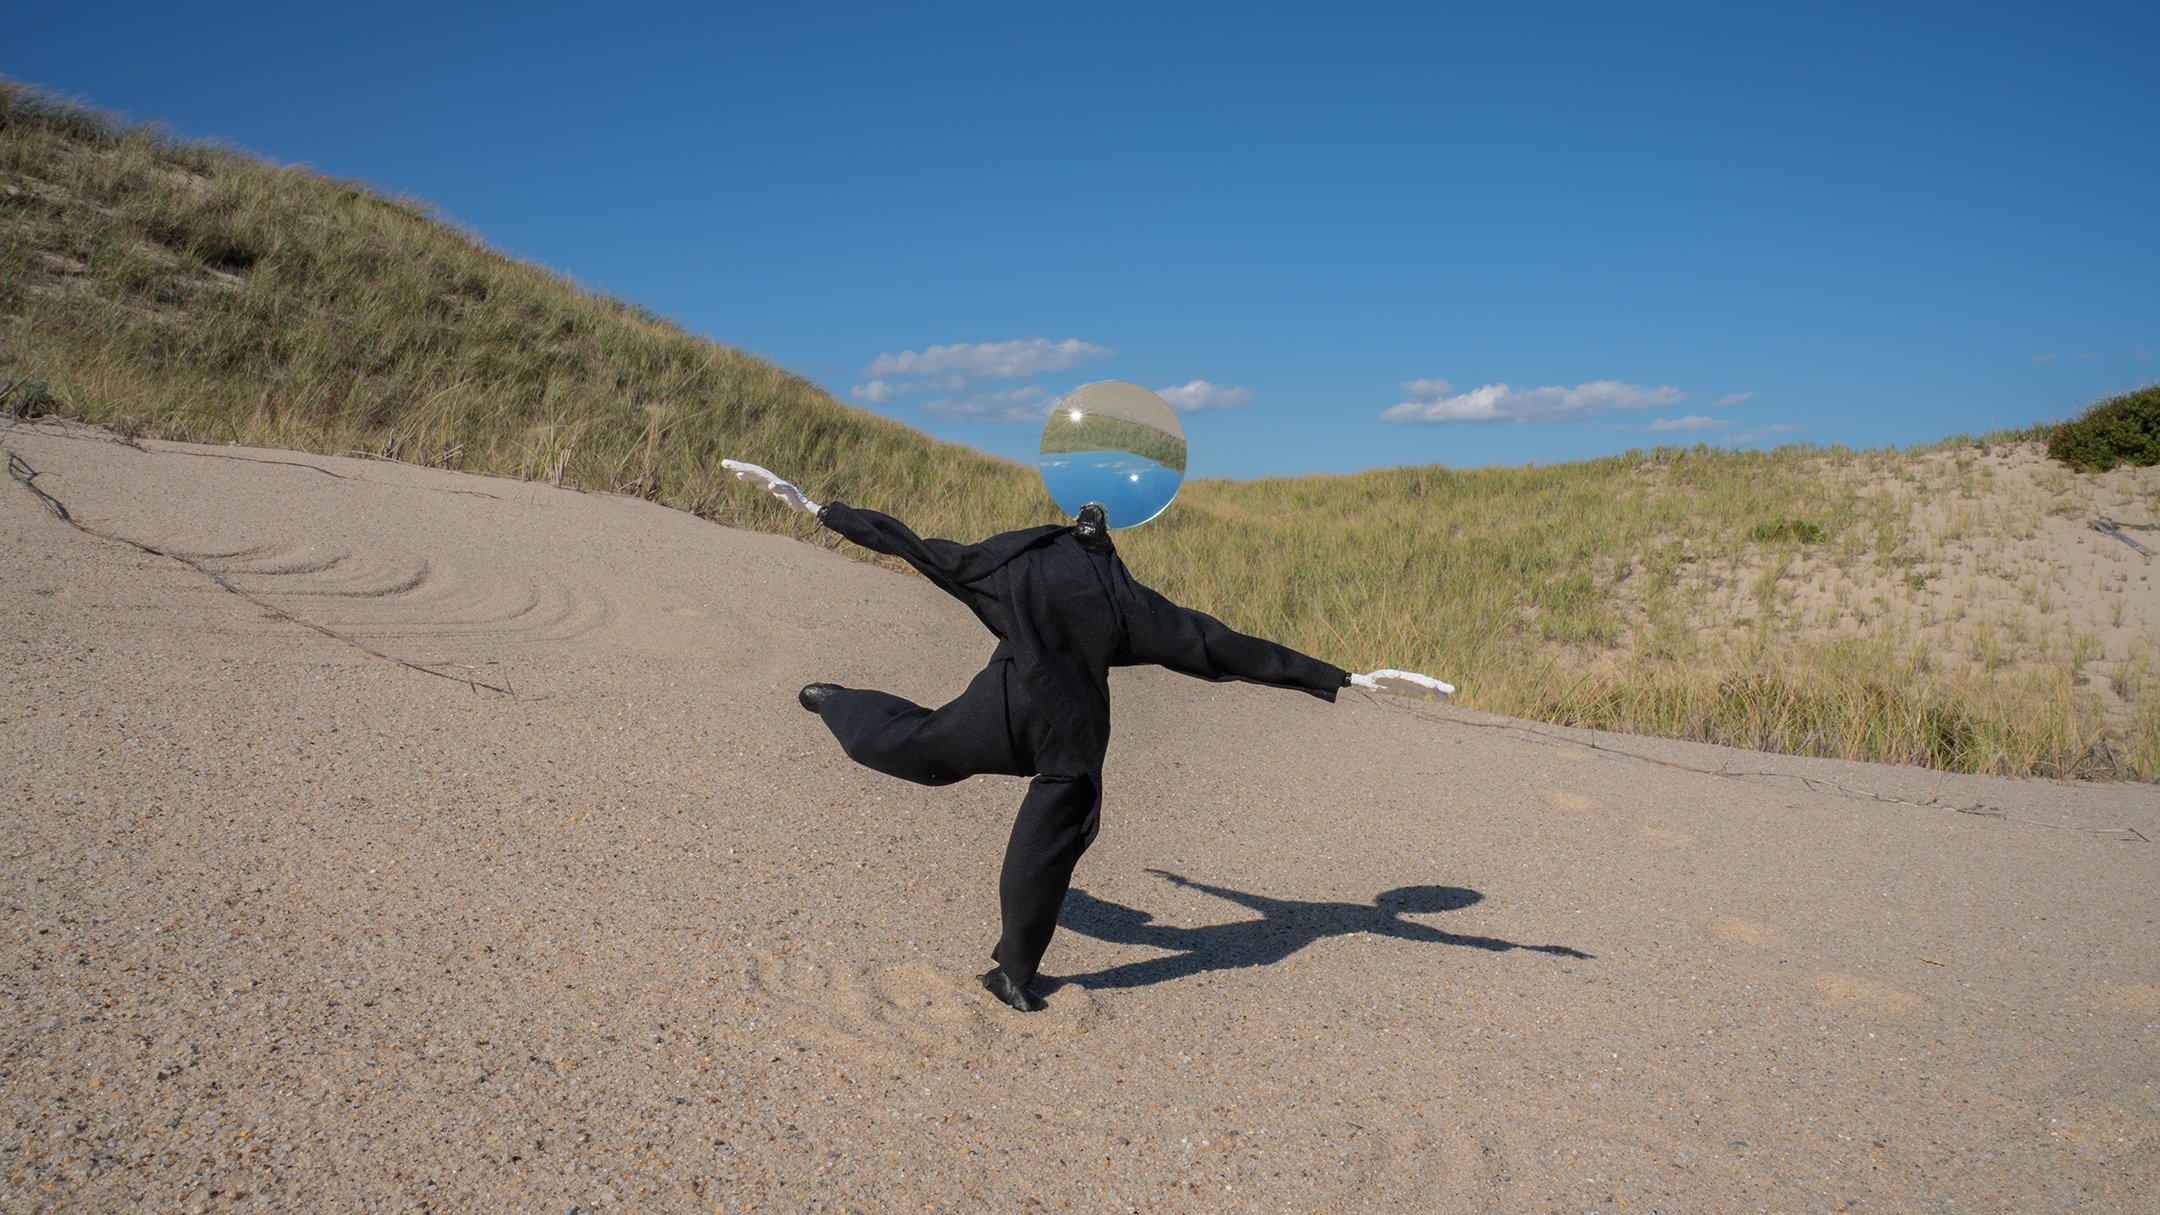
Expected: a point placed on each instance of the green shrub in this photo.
(1798, 531)
(2119, 430)
(28, 398)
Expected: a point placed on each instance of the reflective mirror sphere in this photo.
(1117, 444)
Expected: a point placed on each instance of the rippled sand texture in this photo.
(301, 914)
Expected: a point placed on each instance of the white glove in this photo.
(771, 483)
(1407, 683)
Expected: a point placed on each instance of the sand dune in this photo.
(293, 924)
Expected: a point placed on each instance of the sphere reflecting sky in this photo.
(1117, 444)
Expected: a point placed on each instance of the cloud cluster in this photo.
(1767, 432)
(958, 372)
(1197, 395)
(957, 367)
(1699, 422)
(1693, 422)
(1437, 401)
(1027, 403)
(1012, 360)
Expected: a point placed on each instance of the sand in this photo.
(289, 925)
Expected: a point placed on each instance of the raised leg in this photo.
(900, 738)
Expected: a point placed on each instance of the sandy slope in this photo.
(1986, 561)
(288, 926)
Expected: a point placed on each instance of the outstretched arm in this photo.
(1257, 902)
(869, 528)
(1411, 930)
(938, 560)
(951, 565)
(876, 532)
(1195, 643)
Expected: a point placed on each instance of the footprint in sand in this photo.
(1667, 839)
(910, 1006)
(1561, 799)
(1734, 928)
(1852, 989)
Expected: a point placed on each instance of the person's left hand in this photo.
(1408, 683)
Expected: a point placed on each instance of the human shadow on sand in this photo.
(1285, 926)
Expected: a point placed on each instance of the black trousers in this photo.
(972, 736)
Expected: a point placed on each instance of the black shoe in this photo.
(1011, 994)
(814, 695)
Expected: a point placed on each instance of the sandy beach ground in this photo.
(288, 925)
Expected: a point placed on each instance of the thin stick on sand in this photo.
(26, 476)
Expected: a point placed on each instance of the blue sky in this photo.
(1350, 235)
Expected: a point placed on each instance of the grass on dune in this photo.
(189, 292)
(1684, 593)
(194, 293)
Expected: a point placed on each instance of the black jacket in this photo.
(1064, 615)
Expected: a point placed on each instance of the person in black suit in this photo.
(1064, 610)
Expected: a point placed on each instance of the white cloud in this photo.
(1693, 421)
(2040, 360)
(959, 367)
(1732, 398)
(876, 392)
(1199, 394)
(1027, 403)
(1750, 436)
(969, 362)
(1437, 401)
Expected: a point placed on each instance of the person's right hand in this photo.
(771, 483)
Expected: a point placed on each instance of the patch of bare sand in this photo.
(286, 926)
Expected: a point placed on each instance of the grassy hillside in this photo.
(1913, 607)
(188, 292)
(1799, 600)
